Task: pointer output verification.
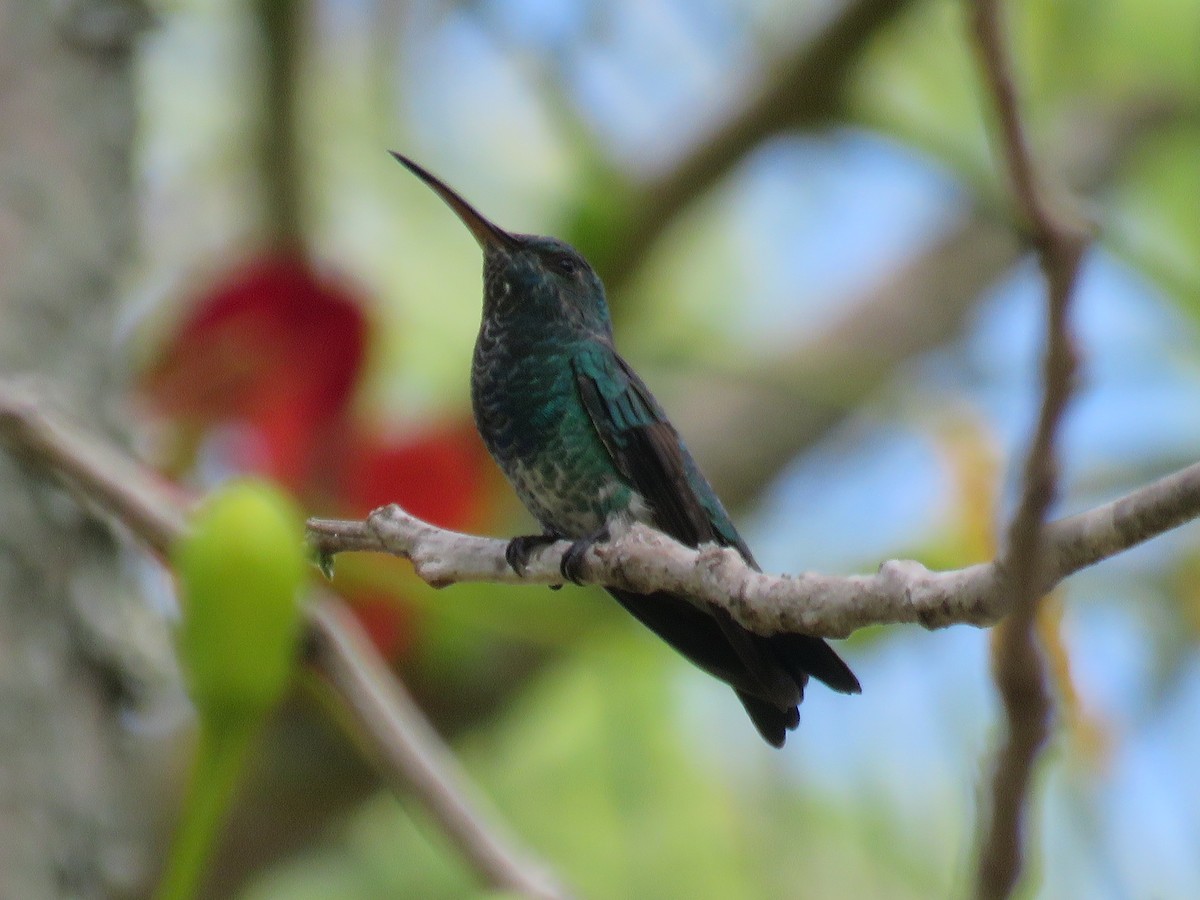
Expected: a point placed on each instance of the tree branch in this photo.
(788, 401)
(802, 90)
(411, 755)
(902, 591)
(281, 26)
(1019, 669)
(97, 473)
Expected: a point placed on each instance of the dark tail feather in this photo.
(700, 637)
(690, 631)
(772, 723)
(802, 654)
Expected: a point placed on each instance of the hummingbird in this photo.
(589, 451)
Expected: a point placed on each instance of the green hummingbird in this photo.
(588, 449)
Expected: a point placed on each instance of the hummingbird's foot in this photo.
(519, 549)
(572, 561)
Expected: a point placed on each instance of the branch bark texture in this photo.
(902, 591)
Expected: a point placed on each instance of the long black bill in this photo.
(485, 232)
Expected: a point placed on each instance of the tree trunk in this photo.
(84, 663)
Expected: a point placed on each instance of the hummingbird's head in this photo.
(533, 279)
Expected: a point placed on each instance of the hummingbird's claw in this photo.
(572, 561)
(520, 548)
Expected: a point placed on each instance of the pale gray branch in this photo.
(645, 561)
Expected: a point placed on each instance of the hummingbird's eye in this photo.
(565, 265)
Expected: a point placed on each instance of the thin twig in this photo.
(411, 755)
(281, 26)
(1018, 667)
(96, 472)
(902, 591)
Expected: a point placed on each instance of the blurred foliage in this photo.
(340, 367)
(1157, 220)
(592, 741)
